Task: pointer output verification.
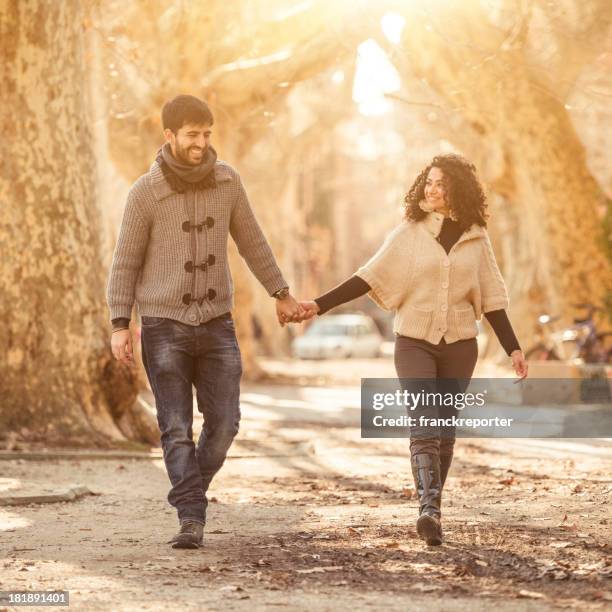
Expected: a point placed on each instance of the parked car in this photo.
(339, 336)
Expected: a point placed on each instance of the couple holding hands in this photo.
(436, 271)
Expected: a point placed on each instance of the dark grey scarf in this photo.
(182, 176)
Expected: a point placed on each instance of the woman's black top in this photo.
(450, 232)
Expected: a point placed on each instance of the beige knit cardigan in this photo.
(151, 261)
(435, 295)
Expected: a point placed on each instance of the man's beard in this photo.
(182, 154)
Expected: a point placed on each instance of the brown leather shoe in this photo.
(191, 535)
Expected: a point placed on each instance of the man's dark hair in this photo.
(185, 109)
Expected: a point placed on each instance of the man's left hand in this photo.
(288, 310)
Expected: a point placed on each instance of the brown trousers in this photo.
(420, 359)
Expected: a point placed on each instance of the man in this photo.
(171, 259)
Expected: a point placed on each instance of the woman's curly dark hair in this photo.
(464, 194)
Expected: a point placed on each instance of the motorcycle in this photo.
(580, 342)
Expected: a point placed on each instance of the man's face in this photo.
(190, 143)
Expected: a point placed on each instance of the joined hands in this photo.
(289, 310)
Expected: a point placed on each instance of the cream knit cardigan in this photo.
(435, 295)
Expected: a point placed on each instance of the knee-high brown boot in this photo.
(445, 463)
(427, 480)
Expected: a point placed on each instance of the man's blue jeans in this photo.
(177, 356)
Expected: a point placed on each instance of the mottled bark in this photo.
(59, 383)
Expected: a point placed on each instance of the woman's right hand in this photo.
(311, 308)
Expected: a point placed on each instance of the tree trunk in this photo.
(59, 384)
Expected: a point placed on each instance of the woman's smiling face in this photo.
(435, 189)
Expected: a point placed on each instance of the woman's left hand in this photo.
(519, 363)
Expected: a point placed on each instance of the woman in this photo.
(438, 273)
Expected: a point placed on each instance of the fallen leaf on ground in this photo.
(603, 595)
(231, 587)
(425, 588)
(530, 594)
(572, 527)
(320, 570)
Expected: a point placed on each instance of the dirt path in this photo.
(307, 516)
